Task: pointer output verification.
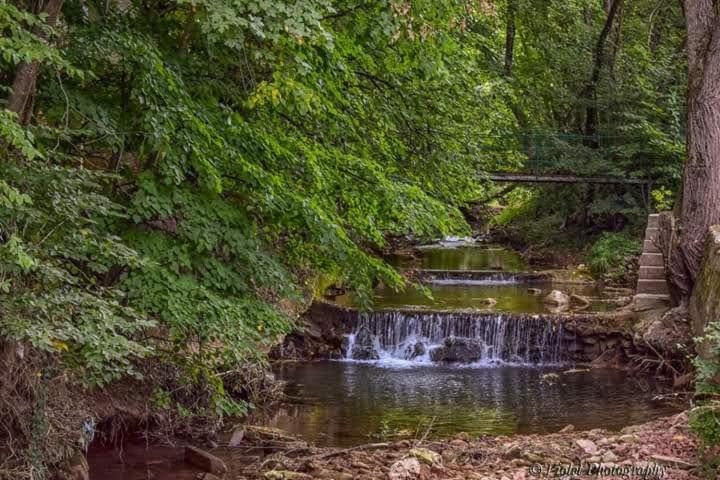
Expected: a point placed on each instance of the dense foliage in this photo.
(189, 168)
(184, 170)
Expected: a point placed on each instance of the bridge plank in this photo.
(549, 178)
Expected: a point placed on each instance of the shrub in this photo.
(705, 416)
(608, 253)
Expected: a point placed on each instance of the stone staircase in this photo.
(651, 280)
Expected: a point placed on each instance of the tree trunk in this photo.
(614, 36)
(518, 113)
(23, 86)
(599, 60)
(510, 37)
(700, 197)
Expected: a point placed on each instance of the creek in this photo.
(448, 362)
(436, 363)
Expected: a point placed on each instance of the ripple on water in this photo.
(341, 403)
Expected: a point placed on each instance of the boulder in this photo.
(364, 347)
(458, 443)
(415, 350)
(556, 298)
(587, 445)
(609, 457)
(237, 437)
(426, 456)
(534, 291)
(286, 475)
(205, 461)
(489, 302)
(405, 469)
(580, 301)
(512, 450)
(458, 349)
(629, 438)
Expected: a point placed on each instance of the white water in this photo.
(447, 281)
(410, 337)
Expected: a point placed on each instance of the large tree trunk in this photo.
(700, 197)
(23, 87)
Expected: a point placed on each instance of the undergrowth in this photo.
(610, 253)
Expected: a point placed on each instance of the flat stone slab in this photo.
(647, 301)
(650, 247)
(652, 234)
(652, 260)
(658, 287)
(652, 273)
(653, 220)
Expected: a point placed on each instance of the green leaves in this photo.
(13, 134)
(57, 259)
(609, 253)
(254, 146)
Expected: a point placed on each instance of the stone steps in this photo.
(652, 260)
(652, 234)
(652, 273)
(655, 287)
(650, 247)
(651, 279)
(654, 220)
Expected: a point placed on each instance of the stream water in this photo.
(466, 276)
(463, 257)
(448, 362)
(340, 403)
(440, 364)
(510, 296)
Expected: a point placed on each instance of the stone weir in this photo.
(455, 337)
(488, 277)
(333, 331)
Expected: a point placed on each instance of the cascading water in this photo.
(468, 337)
(480, 277)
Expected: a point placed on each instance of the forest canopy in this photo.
(177, 175)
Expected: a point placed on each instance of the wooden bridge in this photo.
(512, 177)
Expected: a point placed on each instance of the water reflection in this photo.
(480, 257)
(349, 403)
(512, 297)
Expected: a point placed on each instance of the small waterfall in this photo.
(468, 337)
(480, 277)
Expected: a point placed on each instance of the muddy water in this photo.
(139, 462)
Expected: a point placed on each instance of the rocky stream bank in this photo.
(664, 448)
